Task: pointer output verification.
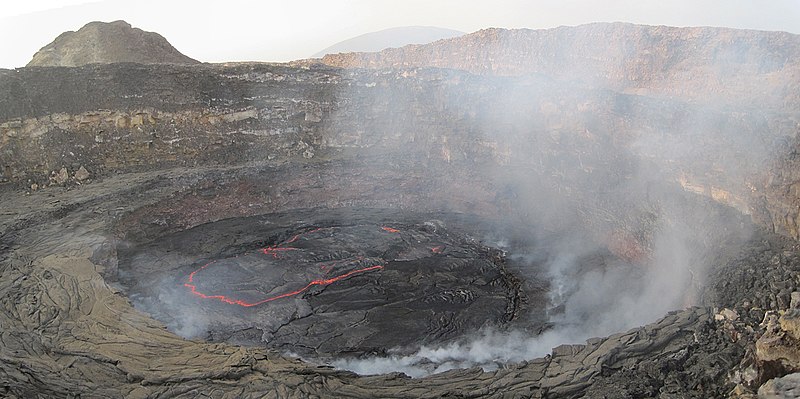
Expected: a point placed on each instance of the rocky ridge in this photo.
(392, 37)
(716, 65)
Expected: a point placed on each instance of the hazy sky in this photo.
(237, 30)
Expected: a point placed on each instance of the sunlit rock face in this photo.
(700, 64)
(218, 217)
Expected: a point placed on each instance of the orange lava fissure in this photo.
(275, 251)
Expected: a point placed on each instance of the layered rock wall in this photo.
(127, 117)
(703, 64)
(723, 68)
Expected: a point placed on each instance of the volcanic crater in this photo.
(181, 230)
(323, 283)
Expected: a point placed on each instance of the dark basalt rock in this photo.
(321, 288)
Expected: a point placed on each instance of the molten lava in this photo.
(239, 302)
(275, 252)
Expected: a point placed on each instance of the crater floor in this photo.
(75, 260)
(322, 285)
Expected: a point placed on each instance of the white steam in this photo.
(595, 303)
(168, 304)
(490, 349)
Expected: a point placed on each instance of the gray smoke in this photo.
(163, 296)
(168, 304)
(595, 303)
(587, 168)
(597, 169)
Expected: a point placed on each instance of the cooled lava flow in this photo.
(274, 252)
(333, 289)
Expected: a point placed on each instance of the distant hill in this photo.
(108, 42)
(388, 38)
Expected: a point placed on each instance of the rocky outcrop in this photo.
(786, 387)
(782, 192)
(105, 43)
(779, 347)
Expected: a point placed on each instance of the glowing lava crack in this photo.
(333, 289)
(274, 252)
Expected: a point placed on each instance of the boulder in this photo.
(786, 387)
(82, 174)
(61, 177)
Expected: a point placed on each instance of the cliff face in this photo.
(701, 64)
(719, 68)
(173, 116)
(104, 43)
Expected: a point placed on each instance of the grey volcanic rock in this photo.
(104, 43)
(402, 286)
(786, 387)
